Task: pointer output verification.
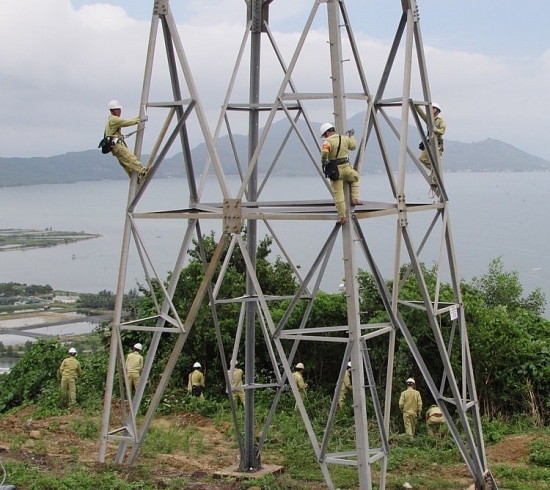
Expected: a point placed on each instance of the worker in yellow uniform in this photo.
(70, 369)
(434, 420)
(134, 365)
(298, 376)
(195, 386)
(236, 382)
(346, 387)
(125, 157)
(410, 404)
(335, 153)
(438, 132)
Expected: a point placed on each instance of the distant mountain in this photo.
(486, 156)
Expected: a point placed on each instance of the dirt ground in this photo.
(47, 443)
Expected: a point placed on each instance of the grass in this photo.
(424, 462)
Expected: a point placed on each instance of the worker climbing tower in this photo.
(325, 79)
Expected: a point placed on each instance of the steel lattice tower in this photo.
(185, 116)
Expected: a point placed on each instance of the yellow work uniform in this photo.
(337, 147)
(69, 369)
(345, 388)
(134, 365)
(125, 157)
(434, 419)
(410, 404)
(196, 378)
(439, 131)
(236, 381)
(300, 383)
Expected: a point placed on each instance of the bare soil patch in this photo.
(513, 450)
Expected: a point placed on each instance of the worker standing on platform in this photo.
(346, 387)
(438, 132)
(125, 157)
(196, 382)
(410, 404)
(70, 369)
(335, 159)
(134, 365)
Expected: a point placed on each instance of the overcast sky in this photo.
(61, 61)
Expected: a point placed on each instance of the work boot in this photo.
(142, 174)
(434, 192)
(342, 220)
(356, 202)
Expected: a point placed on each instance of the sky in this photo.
(61, 61)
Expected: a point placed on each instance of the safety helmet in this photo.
(138, 346)
(411, 381)
(72, 350)
(325, 127)
(349, 364)
(114, 104)
(197, 365)
(435, 105)
(300, 366)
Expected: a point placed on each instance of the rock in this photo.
(34, 434)
(407, 485)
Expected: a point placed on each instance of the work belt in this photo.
(339, 161)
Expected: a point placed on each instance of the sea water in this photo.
(491, 214)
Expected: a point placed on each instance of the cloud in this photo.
(65, 64)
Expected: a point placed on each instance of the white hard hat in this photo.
(300, 366)
(325, 127)
(197, 365)
(435, 105)
(138, 346)
(349, 364)
(72, 350)
(411, 380)
(114, 104)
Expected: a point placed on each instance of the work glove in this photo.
(350, 132)
(144, 119)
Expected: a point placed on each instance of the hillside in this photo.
(490, 155)
(61, 451)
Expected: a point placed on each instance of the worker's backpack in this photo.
(105, 144)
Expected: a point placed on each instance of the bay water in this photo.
(492, 215)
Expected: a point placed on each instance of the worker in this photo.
(134, 365)
(70, 369)
(346, 386)
(410, 404)
(298, 376)
(195, 386)
(236, 383)
(335, 156)
(434, 420)
(438, 131)
(125, 157)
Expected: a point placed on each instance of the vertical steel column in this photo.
(250, 460)
(352, 289)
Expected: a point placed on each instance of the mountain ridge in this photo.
(489, 155)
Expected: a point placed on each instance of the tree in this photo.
(276, 277)
(498, 287)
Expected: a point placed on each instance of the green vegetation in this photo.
(510, 348)
(105, 300)
(12, 239)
